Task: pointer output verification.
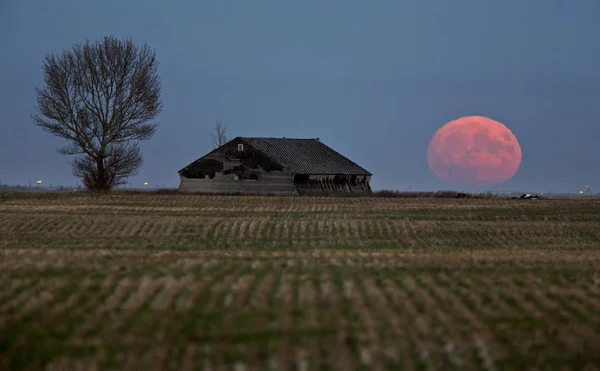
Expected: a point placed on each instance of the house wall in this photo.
(223, 171)
(278, 184)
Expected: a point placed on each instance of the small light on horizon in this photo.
(39, 182)
(145, 183)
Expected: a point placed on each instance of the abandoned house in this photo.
(274, 166)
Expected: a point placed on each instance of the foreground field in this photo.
(144, 282)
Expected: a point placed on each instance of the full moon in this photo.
(474, 150)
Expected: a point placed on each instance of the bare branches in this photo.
(101, 98)
(122, 161)
(219, 136)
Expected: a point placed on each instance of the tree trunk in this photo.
(101, 177)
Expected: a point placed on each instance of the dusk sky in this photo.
(373, 80)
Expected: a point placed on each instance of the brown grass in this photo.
(165, 282)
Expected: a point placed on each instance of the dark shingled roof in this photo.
(305, 156)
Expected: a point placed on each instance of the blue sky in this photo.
(374, 80)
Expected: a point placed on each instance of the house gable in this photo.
(230, 158)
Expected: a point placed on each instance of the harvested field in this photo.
(184, 282)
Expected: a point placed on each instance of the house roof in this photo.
(305, 156)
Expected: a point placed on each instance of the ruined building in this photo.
(274, 166)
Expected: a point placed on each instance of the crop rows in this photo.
(324, 231)
(172, 282)
(193, 222)
(296, 311)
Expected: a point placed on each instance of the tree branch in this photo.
(101, 98)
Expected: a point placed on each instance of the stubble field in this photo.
(184, 282)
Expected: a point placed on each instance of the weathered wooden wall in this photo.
(333, 184)
(220, 173)
(278, 184)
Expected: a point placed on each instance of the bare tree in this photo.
(101, 98)
(219, 137)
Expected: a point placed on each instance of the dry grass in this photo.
(134, 221)
(165, 282)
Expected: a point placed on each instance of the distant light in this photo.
(39, 182)
(580, 191)
(145, 183)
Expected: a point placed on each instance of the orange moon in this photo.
(474, 150)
